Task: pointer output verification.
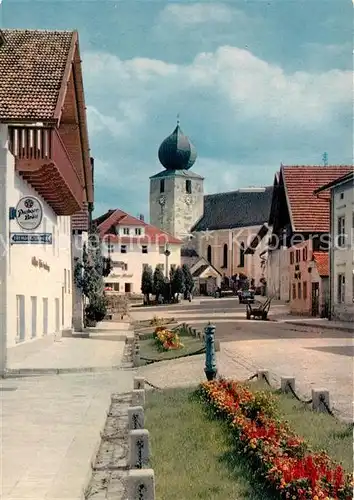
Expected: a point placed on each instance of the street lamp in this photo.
(167, 253)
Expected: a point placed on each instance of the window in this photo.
(341, 231)
(188, 186)
(123, 249)
(45, 316)
(225, 256)
(162, 185)
(138, 231)
(294, 291)
(304, 289)
(126, 230)
(299, 290)
(20, 306)
(291, 258)
(110, 248)
(34, 316)
(242, 255)
(144, 249)
(209, 256)
(341, 288)
(341, 196)
(127, 287)
(304, 254)
(298, 256)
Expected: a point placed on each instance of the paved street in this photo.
(317, 357)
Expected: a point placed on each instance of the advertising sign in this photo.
(29, 213)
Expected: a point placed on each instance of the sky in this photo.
(255, 83)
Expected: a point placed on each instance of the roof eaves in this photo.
(336, 182)
(67, 72)
(287, 198)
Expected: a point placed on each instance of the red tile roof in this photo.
(308, 212)
(322, 263)
(120, 218)
(32, 68)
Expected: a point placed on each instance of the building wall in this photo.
(5, 159)
(25, 280)
(278, 276)
(217, 239)
(135, 260)
(342, 259)
(181, 210)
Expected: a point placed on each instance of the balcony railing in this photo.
(41, 157)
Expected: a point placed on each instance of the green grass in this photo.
(194, 456)
(321, 431)
(148, 349)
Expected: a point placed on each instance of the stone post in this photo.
(285, 382)
(138, 397)
(139, 383)
(141, 484)
(320, 398)
(138, 448)
(210, 359)
(135, 417)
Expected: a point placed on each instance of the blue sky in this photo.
(256, 83)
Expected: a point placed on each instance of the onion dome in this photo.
(177, 152)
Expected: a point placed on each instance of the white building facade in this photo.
(36, 278)
(342, 249)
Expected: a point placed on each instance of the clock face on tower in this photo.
(162, 200)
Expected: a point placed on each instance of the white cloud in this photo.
(196, 13)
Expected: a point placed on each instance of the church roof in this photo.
(177, 152)
(234, 209)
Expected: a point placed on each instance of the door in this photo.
(57, 316)
(34, 316)
(315, 299)
(45, 316)
(20, 305)
(203, 289)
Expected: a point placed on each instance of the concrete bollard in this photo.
(139, 383)
(262, 375)
(317, 395)
(135, 418)
(138, 448)
(138, 397)
(285, 382)
(141, 484)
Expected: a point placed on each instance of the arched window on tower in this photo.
(242, 255)
(209, 256)
(225, 256)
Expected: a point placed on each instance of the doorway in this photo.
(315, 299)
(203, 289)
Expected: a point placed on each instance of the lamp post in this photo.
(167, 253)
(210, 360)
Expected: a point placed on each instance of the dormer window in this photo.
(126, 231)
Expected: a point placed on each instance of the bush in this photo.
(96, 310)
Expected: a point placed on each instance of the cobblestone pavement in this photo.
(316, 357)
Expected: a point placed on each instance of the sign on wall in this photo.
(29, 213)
(31, 238)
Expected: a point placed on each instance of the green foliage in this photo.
(107, 266)
(97, 309)
(177, 283)
(158, 282)
(188, 278)
(147, 281)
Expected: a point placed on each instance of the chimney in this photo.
(141, 217)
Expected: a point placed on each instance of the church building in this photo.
(223, 234)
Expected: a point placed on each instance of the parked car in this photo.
(246, 297)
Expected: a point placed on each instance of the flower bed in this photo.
(281, 458)
(167, 340)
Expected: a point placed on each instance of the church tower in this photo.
(176, 193)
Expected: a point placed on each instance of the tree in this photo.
(158, 282)
(177, 284)
(147, 283)
(188, 280)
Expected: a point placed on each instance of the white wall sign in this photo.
(29, 213)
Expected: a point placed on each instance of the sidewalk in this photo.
(50, 424)
(342, 326)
